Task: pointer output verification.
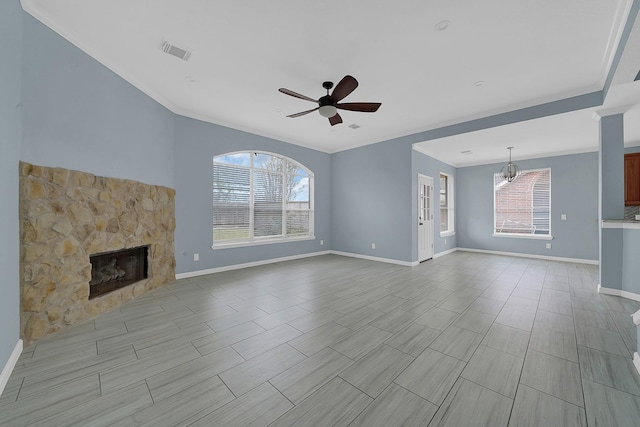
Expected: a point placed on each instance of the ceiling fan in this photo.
(328, 105)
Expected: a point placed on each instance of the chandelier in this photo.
(510, 171)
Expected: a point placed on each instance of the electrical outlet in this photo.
(321, 242)
(196, 257)
(445, 241)
(548, 245)
(373, 246)
(563, 217)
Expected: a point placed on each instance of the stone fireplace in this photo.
(71, 221)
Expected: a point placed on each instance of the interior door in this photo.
(425, 218)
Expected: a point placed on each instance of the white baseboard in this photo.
(374, 258)
(439, 254)
(521, 255)
(8, 367)
(618, 293)
(247, 264)
(636, 361)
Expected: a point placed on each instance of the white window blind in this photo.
(446, 204)
(523, 207)
(259, 196)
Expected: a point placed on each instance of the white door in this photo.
(425, 218)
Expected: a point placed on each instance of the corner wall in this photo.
(80, 115)
(10, 138)
(371, 201)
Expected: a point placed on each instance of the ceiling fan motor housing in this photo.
(327, 106)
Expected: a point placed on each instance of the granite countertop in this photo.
(621, 223)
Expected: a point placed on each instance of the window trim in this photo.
(451, 219)
(518, 235)
(266, 240)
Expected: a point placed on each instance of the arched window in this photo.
(260, 197)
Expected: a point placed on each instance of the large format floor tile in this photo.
(396, 406)
(465, 339)
(374, 372)
(336, 403)
(431, 375)
(533, 408)
(471, 405)
(554, 376)
(495, 370)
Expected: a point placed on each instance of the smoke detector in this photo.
(176, 51)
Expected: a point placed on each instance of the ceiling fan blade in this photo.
(302, 113)
(347, 85)
(365, 107)
(335, 119)
(296, 94)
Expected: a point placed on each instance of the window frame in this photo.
(548, 236)
(451, 226)
(253, 240)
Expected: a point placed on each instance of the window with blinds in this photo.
(446, 204)
(523, 207)
(259, 196)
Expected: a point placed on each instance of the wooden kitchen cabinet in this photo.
(632, 179)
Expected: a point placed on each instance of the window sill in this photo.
(523, 236)
(447, 233)
(259, 242)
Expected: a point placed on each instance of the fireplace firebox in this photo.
(116, 269)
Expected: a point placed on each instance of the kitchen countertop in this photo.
(621, 223)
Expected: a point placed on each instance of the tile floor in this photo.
(464, 340)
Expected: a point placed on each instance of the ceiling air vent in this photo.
(354, 126)
(176, 51)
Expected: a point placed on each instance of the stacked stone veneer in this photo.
(66, 216)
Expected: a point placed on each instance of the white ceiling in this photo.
(525, 52)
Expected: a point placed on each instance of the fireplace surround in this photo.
(66, 217)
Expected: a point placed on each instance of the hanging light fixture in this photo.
(510, 171)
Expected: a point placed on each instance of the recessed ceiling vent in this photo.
(354, 126)
(176, 51)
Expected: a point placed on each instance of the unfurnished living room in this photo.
(295, 213)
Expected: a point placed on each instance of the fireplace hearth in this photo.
(116, 269)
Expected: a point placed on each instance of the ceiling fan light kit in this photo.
(328, 105)
(328, 111)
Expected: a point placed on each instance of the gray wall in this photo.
(371, 201)
(80, 115)
(425, 165)
(10, 137)
(574, 191)
(196, 144)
